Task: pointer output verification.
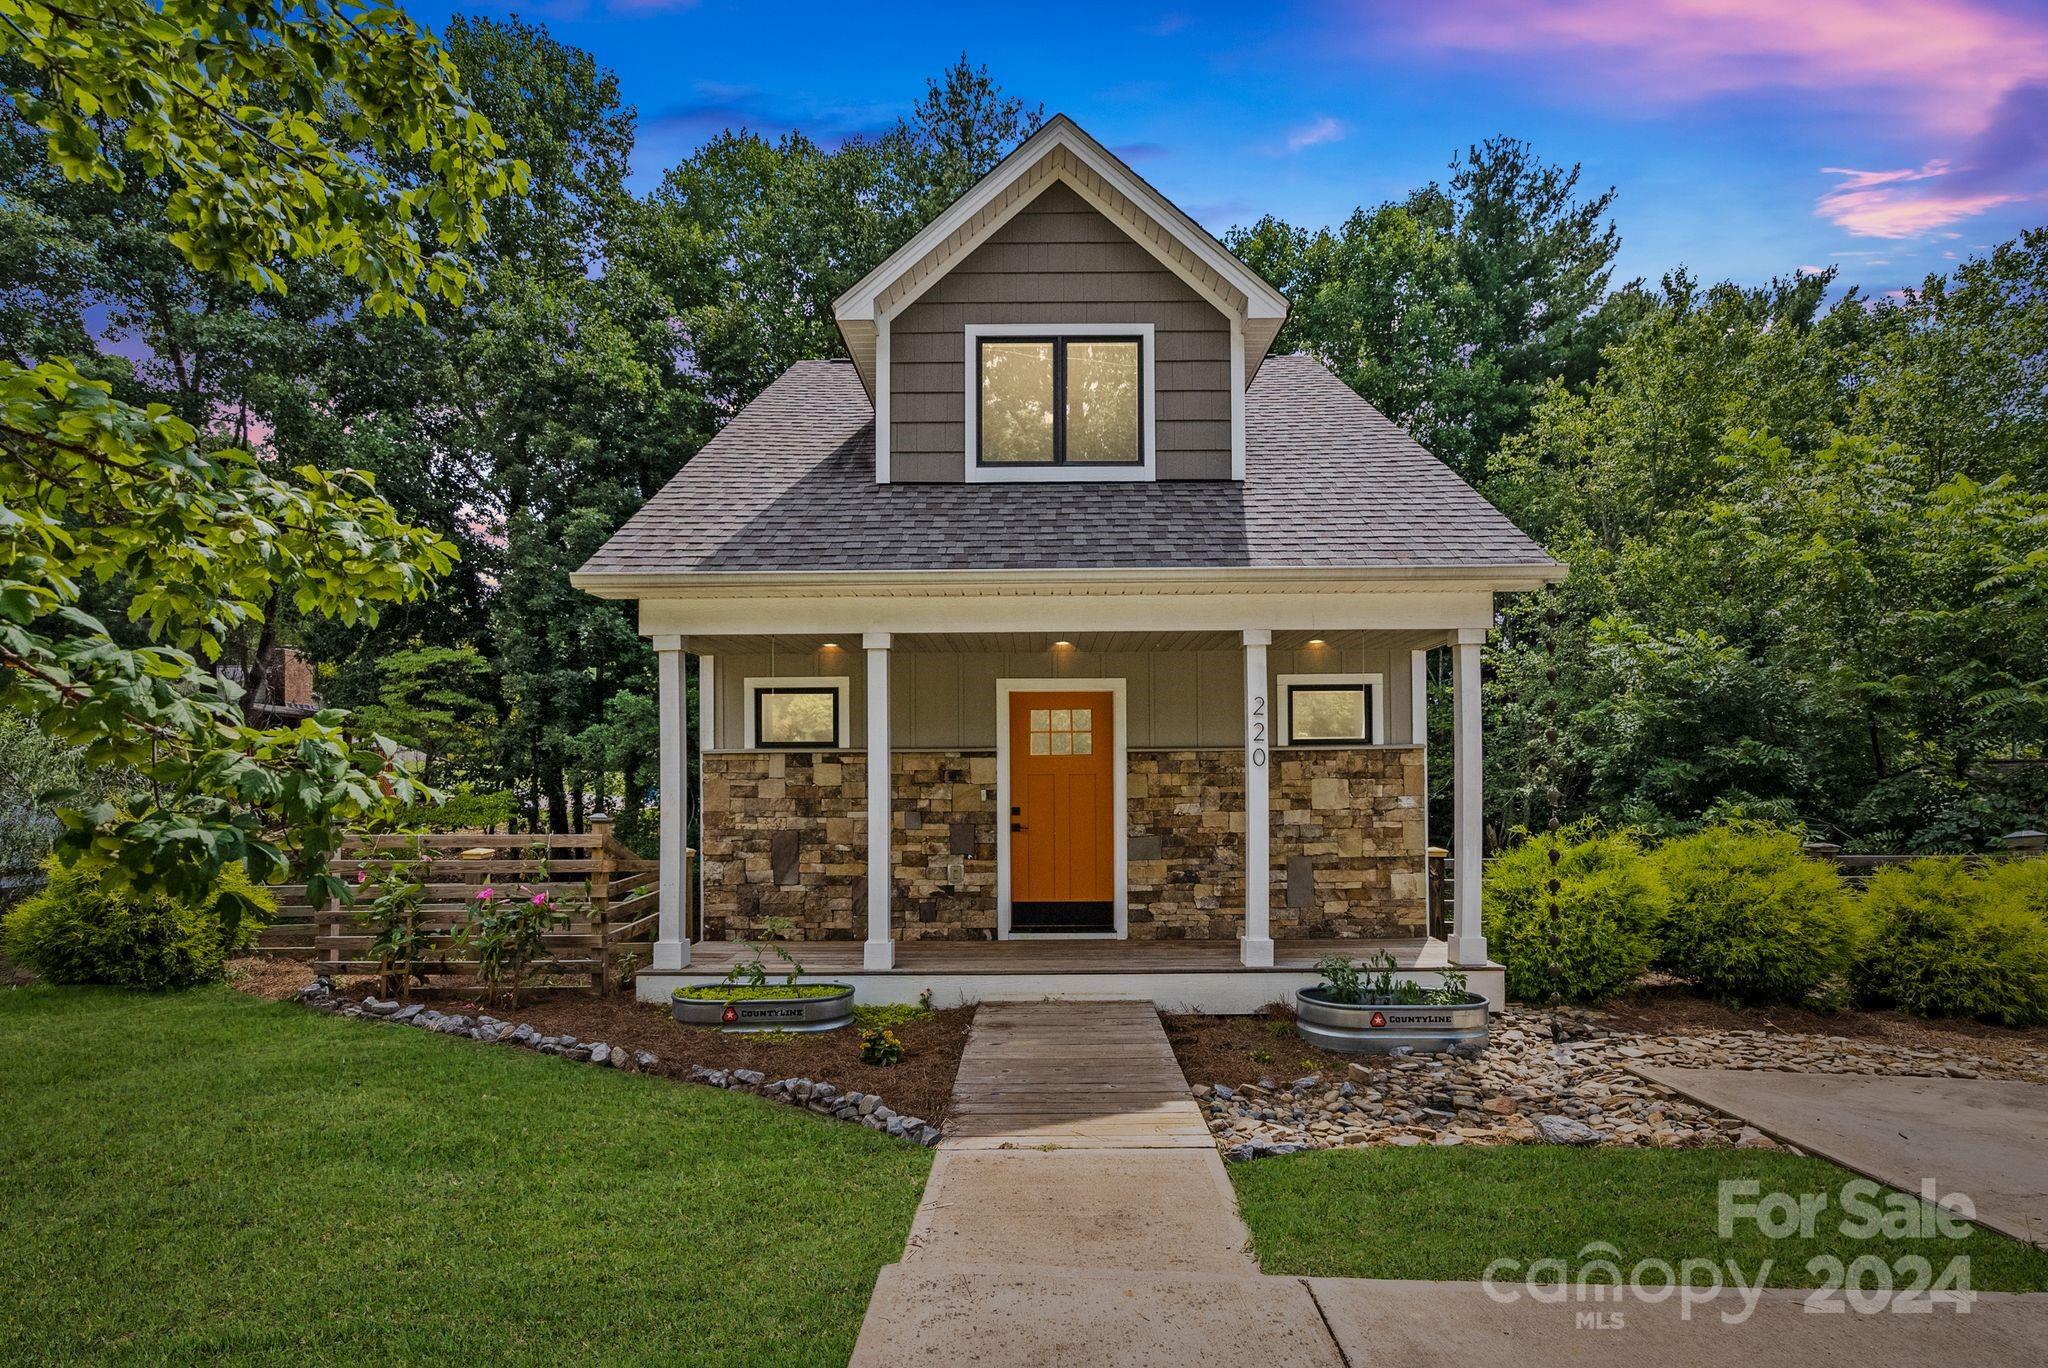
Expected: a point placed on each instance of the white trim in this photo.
(1237, 447)
(1262, 300)
(1317, 613)
(1378, 721)
(882, 431)
(1234, 991)
(648, 584)
(1120, 814)
(1148, 469)
(748, 686)
(707, 708)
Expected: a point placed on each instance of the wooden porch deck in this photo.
(1039, 955)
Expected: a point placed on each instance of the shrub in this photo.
(1752, 917)
(1608, 900)
(81, 930)
(1946, 942)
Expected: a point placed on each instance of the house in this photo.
(1062, 639)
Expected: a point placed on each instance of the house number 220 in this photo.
(1258, 733)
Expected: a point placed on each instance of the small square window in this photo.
(801, 716)
(1329, 714)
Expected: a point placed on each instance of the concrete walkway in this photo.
(1985, 1139)
(1079, 1214)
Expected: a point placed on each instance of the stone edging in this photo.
(866, 1109)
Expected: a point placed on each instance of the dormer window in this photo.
(1060, 402)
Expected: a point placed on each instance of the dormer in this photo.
(1061, 321)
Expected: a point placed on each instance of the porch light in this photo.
(1317, 641)
(1063, 645)
(829, 646)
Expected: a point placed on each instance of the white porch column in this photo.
(671, 947)
(1257, 945)
(1468, 939)
(880, 950)
(1418, 726)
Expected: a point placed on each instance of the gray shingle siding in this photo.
(789, 485)
(1059, 261)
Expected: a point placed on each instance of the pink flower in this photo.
(362, 875)
(486, 894)
(540, 899)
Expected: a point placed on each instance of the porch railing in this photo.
(609, 894)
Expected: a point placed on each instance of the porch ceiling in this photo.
(1080, 643)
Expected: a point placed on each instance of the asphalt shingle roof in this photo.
(789, 485)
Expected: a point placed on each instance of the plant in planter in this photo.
(1379, 1012)
(509, 935)
(746, 1000)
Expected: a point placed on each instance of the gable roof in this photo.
(1060, 152)
(788, 487)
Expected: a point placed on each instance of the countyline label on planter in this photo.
(791, 1011)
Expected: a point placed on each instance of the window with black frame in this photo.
(1059, 401)
(1329, 714)
(798, 716)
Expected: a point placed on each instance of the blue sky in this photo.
(1746, 137)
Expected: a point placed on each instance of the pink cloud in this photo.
(1879, 204)
(1944, 62)
(1967, 78)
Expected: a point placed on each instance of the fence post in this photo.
(328, 924)
(603, 862)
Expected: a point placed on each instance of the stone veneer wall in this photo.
(1348, 855)
(785, 834)
(1186, 844)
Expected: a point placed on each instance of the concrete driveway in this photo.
(1986, 1140)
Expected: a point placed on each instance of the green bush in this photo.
(1751, 917)
(1946, 942)
(1608, 900)
(80, 930)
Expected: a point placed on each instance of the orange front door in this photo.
(1062, 788)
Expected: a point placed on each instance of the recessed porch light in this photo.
(1063, 645)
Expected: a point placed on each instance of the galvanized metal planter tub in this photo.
(1391, 1027)
(770, 1014)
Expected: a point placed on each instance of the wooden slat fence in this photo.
(608, 893)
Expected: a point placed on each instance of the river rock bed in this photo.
(1546, 1079)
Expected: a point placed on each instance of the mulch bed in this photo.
(922, 1085)
(1245, 1049)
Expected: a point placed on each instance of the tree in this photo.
(251, 117)
(1809, 567)
(1452, 309)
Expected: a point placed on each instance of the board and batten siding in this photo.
(1058, 261)
(1173, 699)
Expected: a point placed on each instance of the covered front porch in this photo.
(893, 838)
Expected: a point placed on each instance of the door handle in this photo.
(1016, 826)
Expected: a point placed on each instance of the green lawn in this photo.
(1446, 1213)
(209, 1174)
